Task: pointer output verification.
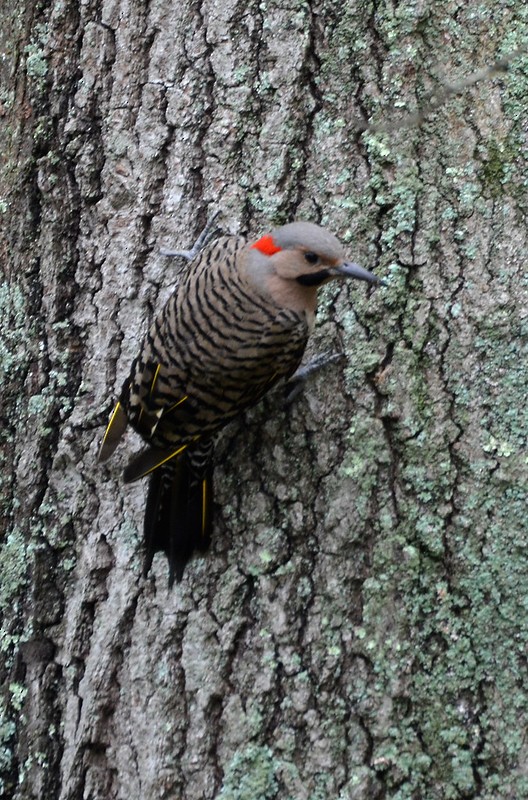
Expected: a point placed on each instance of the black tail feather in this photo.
(178, 514)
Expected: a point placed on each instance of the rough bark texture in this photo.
(359, 629)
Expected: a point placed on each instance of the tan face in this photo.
(301, 251)
(304, 265)
(293, 261)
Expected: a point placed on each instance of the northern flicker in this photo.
(237, 323)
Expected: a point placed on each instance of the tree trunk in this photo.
(358, 629)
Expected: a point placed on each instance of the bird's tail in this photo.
(178, 514)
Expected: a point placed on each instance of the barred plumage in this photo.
(237, 322)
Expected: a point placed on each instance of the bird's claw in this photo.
(203, 239)
(295, 385)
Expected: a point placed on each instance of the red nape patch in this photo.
(266, 245)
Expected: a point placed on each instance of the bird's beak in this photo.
(347, 270)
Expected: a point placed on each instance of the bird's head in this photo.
(301, 256)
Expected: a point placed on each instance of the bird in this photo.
(237, 323)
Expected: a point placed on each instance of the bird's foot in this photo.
(203, 239)
(295, 385)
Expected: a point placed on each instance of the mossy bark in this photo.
(359, 628)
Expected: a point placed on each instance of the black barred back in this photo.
(215, 348)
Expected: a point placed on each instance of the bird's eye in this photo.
(312, 258)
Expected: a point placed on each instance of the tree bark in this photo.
(358, 629)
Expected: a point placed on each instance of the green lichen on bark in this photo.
(250, 774)
(448, 668)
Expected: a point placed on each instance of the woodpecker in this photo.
(237, 322)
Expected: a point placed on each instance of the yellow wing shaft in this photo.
(149, 460)
(114, 431)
